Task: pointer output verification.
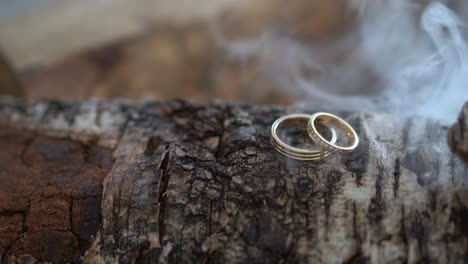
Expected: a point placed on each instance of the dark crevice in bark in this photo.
(24, 227)
(459, 216)
(452, 140)
(70, 218)
(432, 200)
(141, 255)
(405, 133)
(418, 230)
(355, 225)
(452, 165)
(403, 232)
(11, 212)
(396, 177)
(218, 152)
(359, 176)
(152, 144)
(86, 149)
(162, 199)
(377, 206)
(357, 161)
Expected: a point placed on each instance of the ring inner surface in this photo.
(294, 133)
(343, 133)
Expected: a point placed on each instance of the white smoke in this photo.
(404, 57)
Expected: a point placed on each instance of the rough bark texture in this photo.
(458, 135)
(192, 183)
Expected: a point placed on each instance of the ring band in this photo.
(326, 118)
(293, 155)
(293, 152)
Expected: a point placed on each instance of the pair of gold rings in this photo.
(326, 146)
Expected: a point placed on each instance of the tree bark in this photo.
(458, 135)
(191, 183)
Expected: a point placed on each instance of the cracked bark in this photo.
(193, 183)
(458, 135)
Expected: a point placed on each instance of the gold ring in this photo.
(326, 118)
(293, 152)
(293, 155)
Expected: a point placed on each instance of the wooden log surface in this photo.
(177, 182)
(458, 135)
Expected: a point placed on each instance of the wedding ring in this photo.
(293, 152)
(293, 155)
(327, 118)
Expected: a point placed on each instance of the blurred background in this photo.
(401, 56)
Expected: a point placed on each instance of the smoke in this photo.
(404, 57)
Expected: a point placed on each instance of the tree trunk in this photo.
(181, 183)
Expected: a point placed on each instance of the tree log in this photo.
(177, 182)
